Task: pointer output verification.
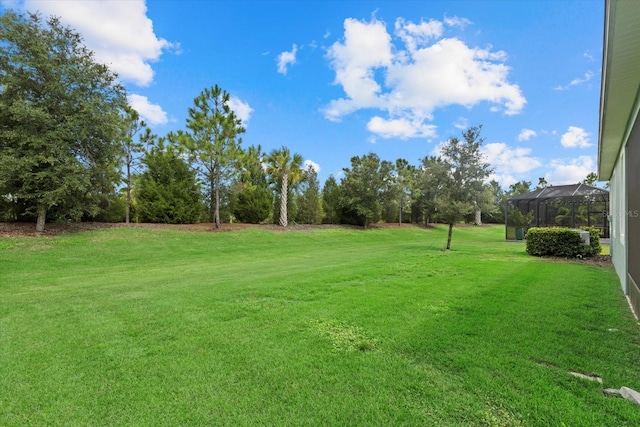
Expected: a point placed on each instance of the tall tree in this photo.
(59, 116)
(405, 181)
(132, 148)
(309, 199)
(467, 171)
(285, 169)
(498, 195)
(253, 200)
(212, 142)
(364, 186)
(430, 183)
(331, 196)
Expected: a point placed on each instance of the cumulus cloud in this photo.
(417, 35)
(286, 58)
(526, 134)
(311, 164)
(577, 81)
(400, 128)
(241, 109)
(575, 137)
(149, 112)
(570, 171)
(119, 33)
(408, 84)
(511, 164)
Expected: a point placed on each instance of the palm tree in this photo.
(286, 169)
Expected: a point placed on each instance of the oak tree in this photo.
(60, 117)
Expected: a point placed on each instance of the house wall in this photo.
(632, 214)
(618, 220)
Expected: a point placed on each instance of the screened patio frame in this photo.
(574, 206)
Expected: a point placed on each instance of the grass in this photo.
(326, 327)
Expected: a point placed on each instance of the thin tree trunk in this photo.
(478, 217)
(127, 215)
(217, 166)
(283, 200)
(42, 217)
(449, 236)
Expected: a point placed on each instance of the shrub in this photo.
(594, 238)
(557, 241)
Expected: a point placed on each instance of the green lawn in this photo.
(319, 328)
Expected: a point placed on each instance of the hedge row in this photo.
(557, 241)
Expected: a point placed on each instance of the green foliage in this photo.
(132, 150)
(112, 209)
(594, 240)
(167, 192)
(431, 179)
(212, 143)
(566, 215)
(331, 196)
(501, 197)
(253, 198)
(60, 115)
(309, 200)
(464, 184)
(253, 205)
(559, 241)
(364, 185)
(591, 179)
(519, 219)
(285, 171)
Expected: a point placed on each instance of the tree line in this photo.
(71, 149)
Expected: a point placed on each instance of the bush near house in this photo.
(559, 241)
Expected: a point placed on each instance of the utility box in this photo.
(585, 236)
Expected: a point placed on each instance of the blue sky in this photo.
(335, 79)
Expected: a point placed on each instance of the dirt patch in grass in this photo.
(598, 260)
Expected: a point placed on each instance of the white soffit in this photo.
(619, 101)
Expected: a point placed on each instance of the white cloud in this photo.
(575, 137)
(577, 81)
(367, 46)
(455, 21)
(149, 112)
(286, 58)
(462, 123)
(410, 84)
(526, 134)
(120, 33)
(311, 164)
(511, 164)
(400, 128)
(241, 109)
(417, 35)
(572, 171)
